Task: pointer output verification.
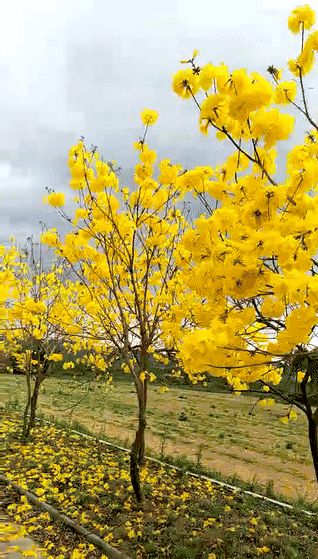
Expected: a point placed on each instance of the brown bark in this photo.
(137, 457)
(311, 418)
(32, 399)
(27, 406)
(313, 441)
(33, 405)
(137, 454)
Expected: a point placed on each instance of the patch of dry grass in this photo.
(218, 430)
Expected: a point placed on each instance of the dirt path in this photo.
(288, 478)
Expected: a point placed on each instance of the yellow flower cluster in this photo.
(237, 105)
(301, 16)
(56, 199)
(149, 117)
(247, 264)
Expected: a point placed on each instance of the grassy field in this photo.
(214, 430)
(183, 517)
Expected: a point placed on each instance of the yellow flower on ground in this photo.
(293, 415)
(266, 402)
(130, 533)
(68, 365)
(163, 389)
(77, 554)
(300, 376)
(261, 550)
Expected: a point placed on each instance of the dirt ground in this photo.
(289, 478)
(218, 431)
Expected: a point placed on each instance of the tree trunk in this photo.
(311, 417)
(137, 456)
(138, 448)
(27, 406)
(313, 439)
(34, 403)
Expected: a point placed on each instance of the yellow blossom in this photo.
(149, 116)
(285, 92)
(49, 237)
(303, 15)
(56, 199)
(185, 83)
(55, 357)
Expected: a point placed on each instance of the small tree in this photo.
(33, 323)
(121, 248)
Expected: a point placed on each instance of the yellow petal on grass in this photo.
(163, 389)
(300, 376)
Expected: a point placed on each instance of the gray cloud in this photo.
(88, 68)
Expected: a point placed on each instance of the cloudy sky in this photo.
(88, 67)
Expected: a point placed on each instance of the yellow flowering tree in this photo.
(9, 262)
(32, 322)
(121, 249)
(252, 255)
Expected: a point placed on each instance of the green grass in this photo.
(232, 441)
(185, 464)
(185, 517)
